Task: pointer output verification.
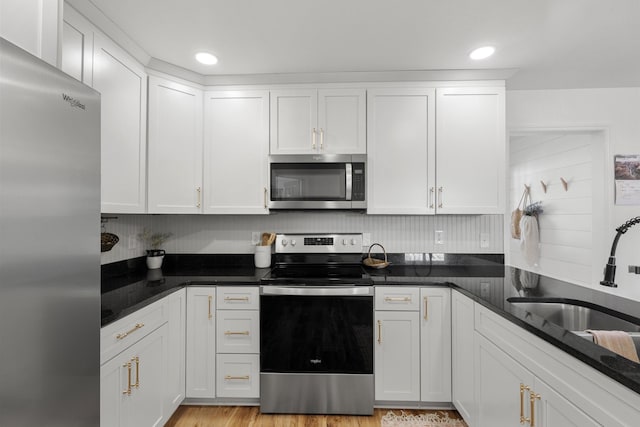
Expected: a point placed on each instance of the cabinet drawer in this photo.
(119, 335)
(238, 375)
(397, 298)
(238, 331)
(238, 298)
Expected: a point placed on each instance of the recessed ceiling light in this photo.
(482, 52)
(206, 58)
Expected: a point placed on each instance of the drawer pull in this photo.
(397, 299)
(230, 377)
(236, 299)
(236, 333)
(130, 331)
(523, 419)
(210, 299)
(533, 397)
(379, 331)
(426, 308)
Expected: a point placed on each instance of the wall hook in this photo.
(544, 186)
(565, 184)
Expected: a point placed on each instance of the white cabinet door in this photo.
(435, 345)
(175, 147)
(294, 121)
(342, 121)
(236, 152)
(77, 46)
(176, 338)
(33, 26)
(238, 375)
(201, 342)
(499, 378)
(397, 356)
(462, 357)
(470, 150)
(553, 410)
(401, 153)
(122, 83)
(132, 384)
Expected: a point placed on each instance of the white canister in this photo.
(262, 256)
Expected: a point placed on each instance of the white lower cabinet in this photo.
(462, 357)
(238, 342)
(435, 345)
(238, 375)
(177, 313)
(201, 342)
(397, 344)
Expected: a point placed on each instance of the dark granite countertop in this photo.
(128, 286)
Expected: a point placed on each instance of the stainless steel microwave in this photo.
(322, 181)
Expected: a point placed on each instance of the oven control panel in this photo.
(319, 243)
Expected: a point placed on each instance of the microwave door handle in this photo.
(349, 179)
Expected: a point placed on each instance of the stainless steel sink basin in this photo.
(575, 315)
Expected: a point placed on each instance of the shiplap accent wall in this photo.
(567, 232)
(232, 233)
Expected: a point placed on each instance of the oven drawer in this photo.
(397, 298)
(238, 331)
(238, 298)
(238, 375)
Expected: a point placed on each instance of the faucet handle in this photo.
(635, 269)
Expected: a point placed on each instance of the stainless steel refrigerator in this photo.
(49, 245)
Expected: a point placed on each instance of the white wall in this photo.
(211, 234)
(617, 113)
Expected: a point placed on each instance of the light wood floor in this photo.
(250, 416)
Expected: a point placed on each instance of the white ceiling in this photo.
(551, 43)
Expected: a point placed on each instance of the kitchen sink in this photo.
(575, 315)
(578, 316)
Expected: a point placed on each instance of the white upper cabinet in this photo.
(33, 26)
(122, 83)
(436, 150)
(236, 141)
(326, 121)
(77, 46)
(470, 150)
(401, 151)
(175, 147)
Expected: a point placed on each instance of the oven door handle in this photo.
(343, 290)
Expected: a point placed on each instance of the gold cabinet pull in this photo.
(265, 198)
(199, 191)
(439, 197)
(236, 333)
(532, 399)
(210, 300)
(397, 299)
(130, 331)
(321, 139)
(426, 308)
(379, 332)
(236, 299)
(128, 390)
(231, 377)
(136, 360)
(523, 388)
(313, 139)
(431, 197)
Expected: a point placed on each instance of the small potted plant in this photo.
(155, 255)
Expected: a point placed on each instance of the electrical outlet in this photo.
(439, 240)
(484, 240)
(255, 237)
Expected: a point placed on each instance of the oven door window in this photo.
(308, 181)
(316, 334)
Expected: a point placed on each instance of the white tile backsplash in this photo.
(215, 234)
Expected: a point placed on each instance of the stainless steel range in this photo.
(316, 328)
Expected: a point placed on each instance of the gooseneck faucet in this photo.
(610, 268)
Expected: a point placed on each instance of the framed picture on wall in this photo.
(627, 179)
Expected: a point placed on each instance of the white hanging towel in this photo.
(530, 239)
